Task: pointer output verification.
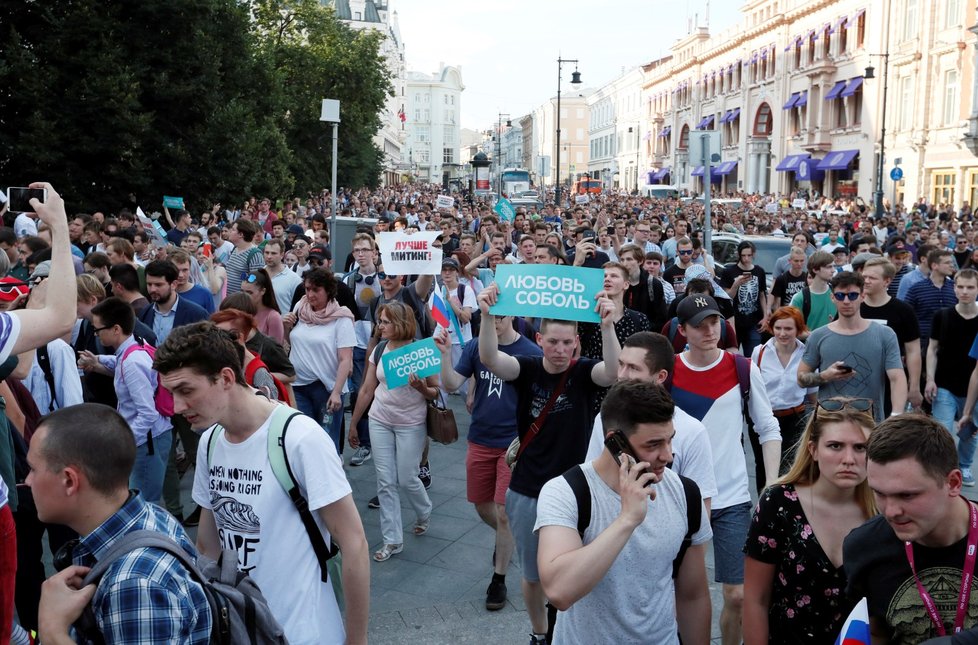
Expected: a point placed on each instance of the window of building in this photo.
(357, 16)
(448, 134)
(579, 157)
(910, 25)
(450, 116)
(951, 106)
(972, 188)
(424, 156)
(580, 113)
(811, 48)
(861, 31)
(854, 104)
(905, 116)
(797, 55)
(843, 37)
(763, 124)
(417, 115)
(422, 133)
(448, 155)
(952, 17)
(826, 42)
(684, 138)
(942, 186)
(579, 134)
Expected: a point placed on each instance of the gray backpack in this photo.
(239, 612)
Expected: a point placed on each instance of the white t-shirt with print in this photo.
(256, 518)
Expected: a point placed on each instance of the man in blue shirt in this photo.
(80, 459)
(929, 296)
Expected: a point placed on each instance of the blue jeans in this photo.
(149, 469)
(948, 407)
(311, 400)
(356, 380)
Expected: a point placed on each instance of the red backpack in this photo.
(253, 366)
(162, 397)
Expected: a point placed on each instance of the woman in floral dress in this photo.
(794, 585)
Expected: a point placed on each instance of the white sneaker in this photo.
(361, 455)
(966, 477)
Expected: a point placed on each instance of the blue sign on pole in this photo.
(896, 174)
(173, 202)
(504, 208)
(548, 291)
(422, 358)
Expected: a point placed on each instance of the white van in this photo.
(660, 192)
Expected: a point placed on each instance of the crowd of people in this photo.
(606, 456)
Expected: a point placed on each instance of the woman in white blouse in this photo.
(778, 361)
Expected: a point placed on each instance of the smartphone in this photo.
(588, 234)
(846, 368)
(19, 199)
(617, 444)
(206, 246)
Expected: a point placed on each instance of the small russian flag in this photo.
(439, 310)
(855, 631)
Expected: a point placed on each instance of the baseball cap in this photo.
(693, 309)
(320, 252)
(893, 249)
(451, 263)
(42, 270)
(840, 249)
(294, 228)
(11, 289)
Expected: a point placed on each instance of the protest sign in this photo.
(422, 358)
(445, 201)
(504, 208)
(152, 228)
(582, 199)
(548, 291)
(799, 203)
(410, 254)
(173, 202)
(771, 208)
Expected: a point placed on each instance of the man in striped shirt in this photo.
(929, 296)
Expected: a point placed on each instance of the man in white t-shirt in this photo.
(461, 307)
(649, 357)
(245, 508)
(284, 281)
(625, 556)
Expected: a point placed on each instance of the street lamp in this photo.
(870, 74)
(331, 114)
(499, 148)
(575, 82)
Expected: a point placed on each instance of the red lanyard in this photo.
(966, 575)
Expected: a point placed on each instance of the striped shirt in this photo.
(146, 596)
(926, 300)
(239, 264)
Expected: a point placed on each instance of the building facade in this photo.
(789, 91)
(432, 111)
(375, 15)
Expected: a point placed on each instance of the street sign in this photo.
(704, 144)
(896, 174)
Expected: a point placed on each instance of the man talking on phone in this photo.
(632, 554)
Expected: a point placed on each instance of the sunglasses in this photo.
(369, 279)
(841, 296)
(835, 404)
(384, 276)
(10, 287)
(689, 252)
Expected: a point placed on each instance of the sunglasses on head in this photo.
(835, 404)
(249, 277)
(841, 296)
(9, 287)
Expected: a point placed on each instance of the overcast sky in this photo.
(508, 49)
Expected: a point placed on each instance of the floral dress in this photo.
(808, 600)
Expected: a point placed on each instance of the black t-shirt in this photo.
(876, 565)
(676, 276)
(787, 285)
(898, 316)
(590, 333)
(955, 335)
(563, 440)
(746, 299)
(271, 353)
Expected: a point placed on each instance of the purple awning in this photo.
(790, 103)
(838, 160)
(725, 168)
(791, 162)
(802, 99)
(836, 90)
(852, 86)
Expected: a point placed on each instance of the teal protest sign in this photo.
(422, 358)
(504, 208)
(173, 202)
(548, 291)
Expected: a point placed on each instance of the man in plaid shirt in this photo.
(80, 459)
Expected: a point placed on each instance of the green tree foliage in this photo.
(183, 97)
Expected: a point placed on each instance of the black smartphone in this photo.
(588, 234)
(617, 444)
(19, 199)
(846, 368)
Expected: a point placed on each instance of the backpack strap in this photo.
(278, 458)
(138, 540)
(742, 364)
(694, 517)
(44, 361)
(806, 302)
(577, 480)
(673, 328)
(378, 350)
(760, 355)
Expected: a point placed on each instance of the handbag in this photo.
(516, 447)
(441, 421)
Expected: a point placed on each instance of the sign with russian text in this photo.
(504, 208)
(445, 201)
(771, 208)
(582, 199)
(548, 291)
(173, 202)
(152, 228)
(799, 203)
(410, 253)
(422, 358)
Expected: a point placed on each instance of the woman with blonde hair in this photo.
(794, 583)
(397, 429)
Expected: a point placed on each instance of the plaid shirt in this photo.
(146, 596)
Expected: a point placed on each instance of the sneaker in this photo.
(360, 455)
(496, 595)
(538, 639)
(424, 474)
(374, 502)
(194, 518)
(967, 478)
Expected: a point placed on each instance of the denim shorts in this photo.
(730, 526)
(522, 513)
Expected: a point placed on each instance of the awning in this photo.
(811, 35)
(854, 17)
(725, 168)
(714, 175)
(791, 101)
(852, 86)
(838, 23)
(838, 160)
(705, 123)
(660, 174)
(836, 90)
(665, 131)
(730, 115)
(697, 172)
(791, 162)
(802, 99)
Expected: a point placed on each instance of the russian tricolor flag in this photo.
(440, 311)
(855, 631)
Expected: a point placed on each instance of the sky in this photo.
(508, 49)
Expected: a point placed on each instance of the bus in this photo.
(585, 186)
(515, 181)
